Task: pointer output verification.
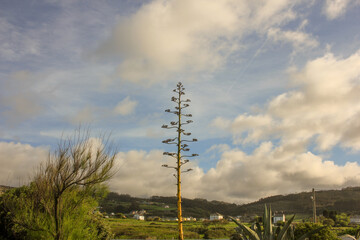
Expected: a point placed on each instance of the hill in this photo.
(344, 200)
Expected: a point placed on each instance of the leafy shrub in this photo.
(350, 231)
(324, 234)
(328, 222)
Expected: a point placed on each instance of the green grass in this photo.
(135, 229)
(298, 217)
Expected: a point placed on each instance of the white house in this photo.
(139, 217)
(216, 216)
(278, 217)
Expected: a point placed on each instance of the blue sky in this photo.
(274, 88)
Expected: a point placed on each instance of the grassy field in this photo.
(299, 217)
(135, 229)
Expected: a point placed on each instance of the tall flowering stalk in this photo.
(181, 145)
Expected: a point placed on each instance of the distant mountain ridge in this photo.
(344, 200)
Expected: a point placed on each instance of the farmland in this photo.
(134, 229)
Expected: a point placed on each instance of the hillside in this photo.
(345, 200)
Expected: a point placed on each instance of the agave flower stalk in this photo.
(181, 145)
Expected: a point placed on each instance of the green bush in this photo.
(350, 231)
(342, 220)
(324, 234)
(328, 222)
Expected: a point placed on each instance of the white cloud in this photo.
(221, 123)
(237, 177)
(125, 107)
(18, 162)
(166, 37)
(218, 148)
(300, 40)
(335, 8)
(241, 177)
(140, 174)
(325, 107)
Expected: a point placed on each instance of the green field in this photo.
(135, 229)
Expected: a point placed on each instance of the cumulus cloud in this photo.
(166, 37)
(335, 8)
(238, 176)
(140, 174)
(324, 107)
(125, 107)
(269, 170)
(18, 161)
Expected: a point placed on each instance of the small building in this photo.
(139, 217)
(166, 206)
(216, 216)
(355, 219)
(278, 217)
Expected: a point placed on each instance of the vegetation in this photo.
(201, 208)
(344, 200)
(155, 206)
(61, 201)
(134, 229)
(319, 232)
(181, 146)
(268, 231)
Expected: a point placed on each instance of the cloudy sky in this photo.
(274, 85)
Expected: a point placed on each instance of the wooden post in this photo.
(314, 205)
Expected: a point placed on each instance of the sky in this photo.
(274, 88)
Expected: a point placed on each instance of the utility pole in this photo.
(314, 204)
(181, 146)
